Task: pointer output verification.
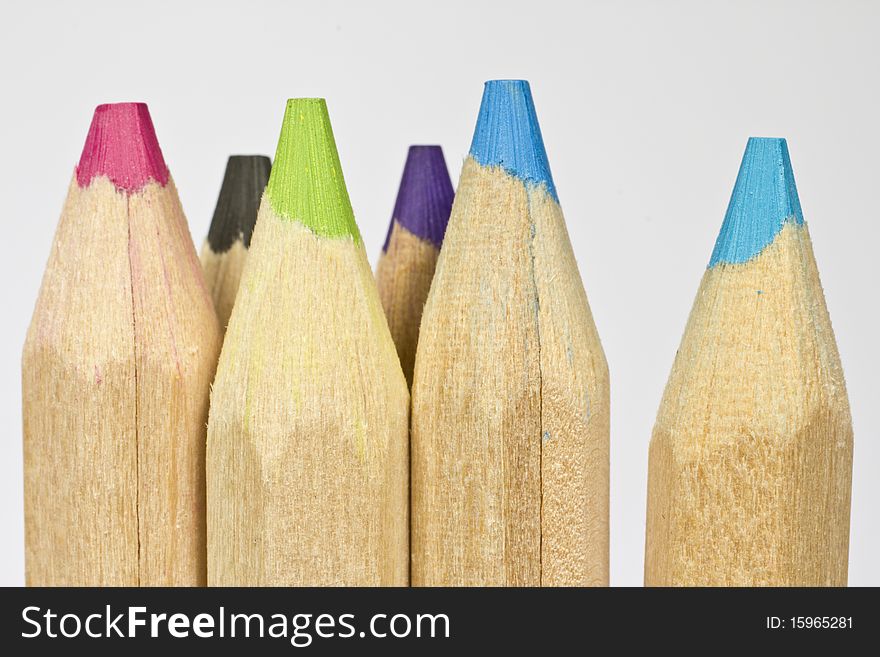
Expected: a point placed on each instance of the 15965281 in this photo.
(810, 623)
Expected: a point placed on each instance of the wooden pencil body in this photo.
(751, 455)
(403, 275)
(116, 369)
(222, 276)
(409, 255)
(225, 249)
(307, 444)
(510, 400)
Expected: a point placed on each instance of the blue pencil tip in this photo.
(508, 135)
(764, 199)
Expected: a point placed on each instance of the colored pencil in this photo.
(510, 444)
(308, 464)
(751, 456)
(117, 366)
(409, 255)
(225, 250)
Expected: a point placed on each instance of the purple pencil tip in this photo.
(424, 199)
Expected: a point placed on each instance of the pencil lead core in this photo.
(508, 135)
(424, 199)
(236, 211)
(306, 183)
(122, 146)
(764, 198)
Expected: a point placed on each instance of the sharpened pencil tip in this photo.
(508, 134)
(122, 146)
(424, 198)
(235, 214)
(764, 198)
(306, 183)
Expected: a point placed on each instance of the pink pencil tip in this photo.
(122, 146)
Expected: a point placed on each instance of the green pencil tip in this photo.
(306, 182)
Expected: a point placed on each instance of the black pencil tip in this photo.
(239, 201)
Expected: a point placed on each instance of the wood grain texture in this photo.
(510, 420)
(223, 276)
(751, 456)
(115, 376)
(404, 274)
(308, 435)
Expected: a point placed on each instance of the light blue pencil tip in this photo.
(508, 135)
(764, 198)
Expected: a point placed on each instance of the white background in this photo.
(645, 109)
